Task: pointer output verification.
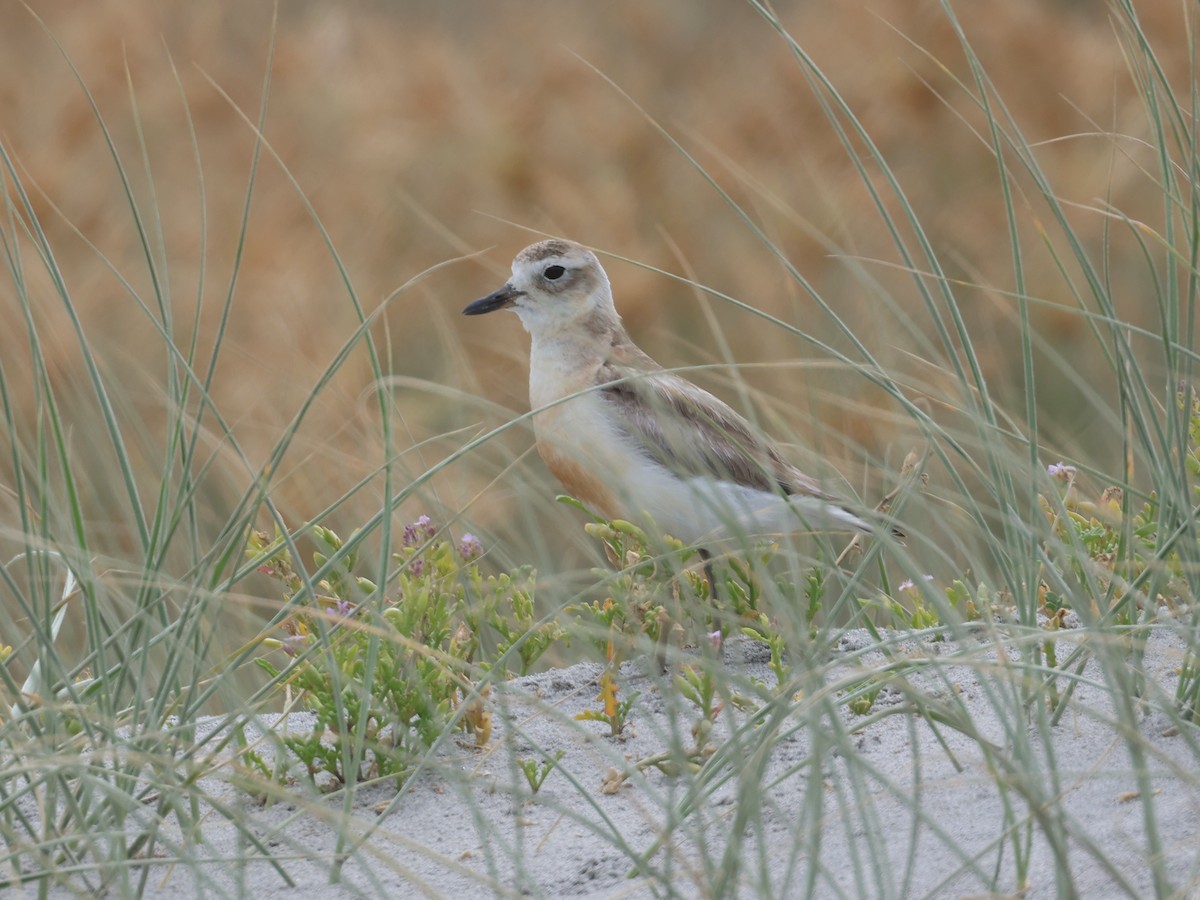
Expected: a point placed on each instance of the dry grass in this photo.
(404, 122)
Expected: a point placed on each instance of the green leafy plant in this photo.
(637, 603)
(613, 711)
(400, 667)
(862, 695)
(536, 772)
(968, 603)
(700, 684)
(914, 612)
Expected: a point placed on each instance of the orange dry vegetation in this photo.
(423, 131)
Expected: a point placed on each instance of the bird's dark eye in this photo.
(554, 272)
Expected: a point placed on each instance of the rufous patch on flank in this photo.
(577, 481)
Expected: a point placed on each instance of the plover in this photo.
(632, 440)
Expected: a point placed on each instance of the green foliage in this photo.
(862, 696)
(914, 612)
(970, 604)
(697, 684)
(536, 772)
(650, 588)
(637, 604)
(397, 668)
(613, 711)
(1128, 550)
(700, 684)
(775, 642)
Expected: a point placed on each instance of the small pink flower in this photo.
(418, 531)
(1061, 471)
(470, 547)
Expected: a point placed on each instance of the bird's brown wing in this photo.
(691, 432)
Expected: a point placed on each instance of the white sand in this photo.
(466, 828)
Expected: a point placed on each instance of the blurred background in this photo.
(424, 132)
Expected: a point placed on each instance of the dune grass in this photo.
(141, 601)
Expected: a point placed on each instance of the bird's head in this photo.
(555, 284)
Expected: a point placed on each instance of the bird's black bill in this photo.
(501, 299)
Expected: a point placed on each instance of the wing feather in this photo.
(691, 432)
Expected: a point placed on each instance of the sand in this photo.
(915, 812)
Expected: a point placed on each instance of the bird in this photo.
(632, 440)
